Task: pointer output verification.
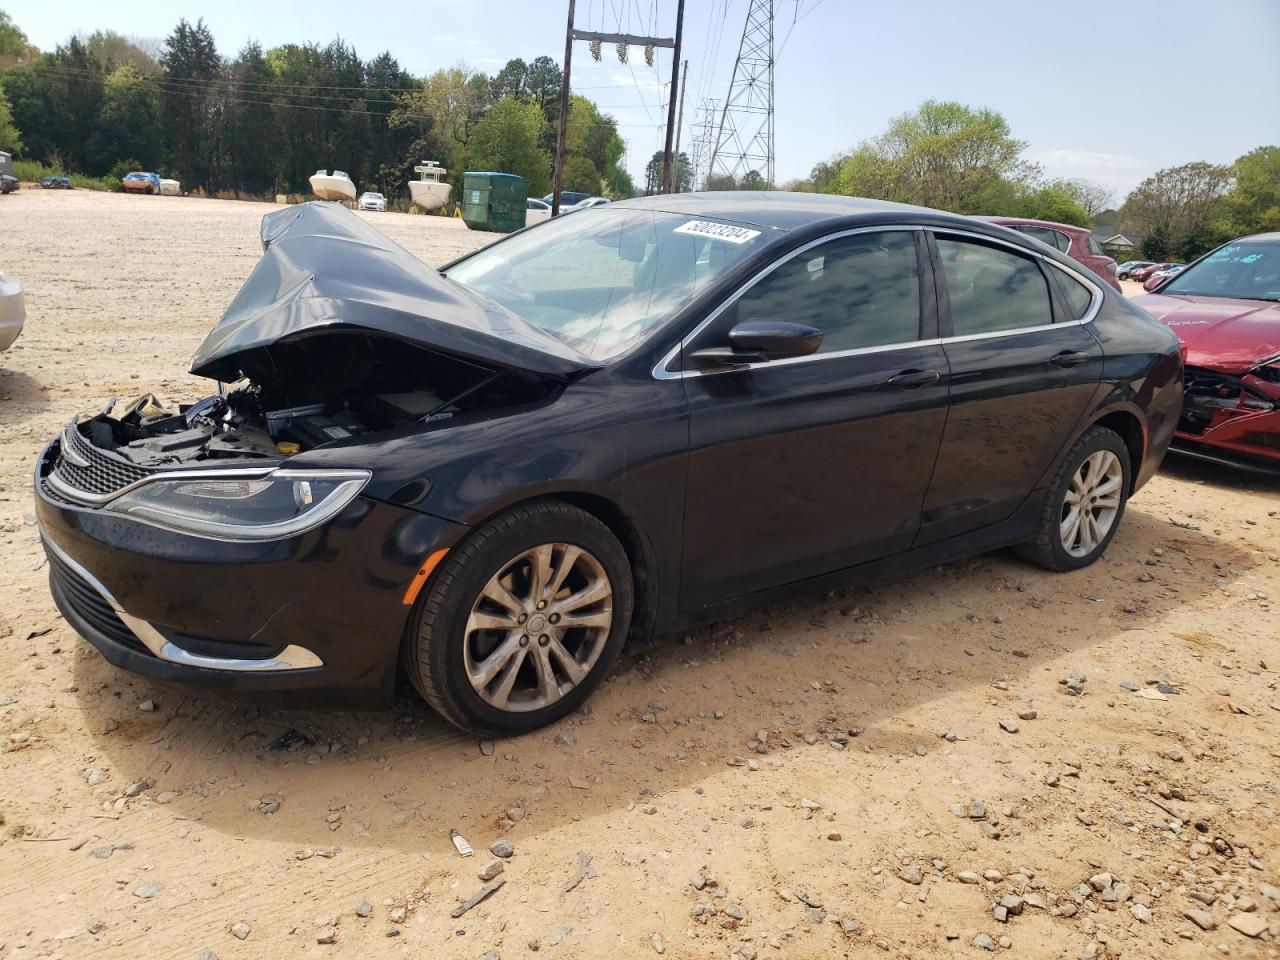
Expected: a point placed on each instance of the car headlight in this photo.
(243, 506)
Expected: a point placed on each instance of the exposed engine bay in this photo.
(302, 395)
(1240, 413)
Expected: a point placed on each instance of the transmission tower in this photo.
(704, 136)
(744, 140)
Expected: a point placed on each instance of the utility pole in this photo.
(674, 185)
(667, 160)
(558, 168)
(622, 41)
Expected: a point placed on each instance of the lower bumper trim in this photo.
(292, 657)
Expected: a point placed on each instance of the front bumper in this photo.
(319, 614)
(1235, 418)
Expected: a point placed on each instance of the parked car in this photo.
(568, 198)
(536, 211)
(8, 183)
(1124, 269)
(1142, 273)
(56, 183)
(638, 420)
(372, 201)
(1076, 242)
(1225, 309)
(1159, 277)
(13, 311)
(139, 182)
(590, 202)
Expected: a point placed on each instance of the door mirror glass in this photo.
(754, 341)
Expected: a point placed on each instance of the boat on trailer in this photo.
(332, 186)
(429, 191)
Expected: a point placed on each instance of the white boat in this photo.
(429, 191)
(332, 186)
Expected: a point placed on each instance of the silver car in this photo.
(373, 201)
(12, 311)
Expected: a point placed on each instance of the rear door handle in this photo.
(1070, 358)
(913, 379)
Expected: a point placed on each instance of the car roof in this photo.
(785, 210)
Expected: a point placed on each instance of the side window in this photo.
(860, 291)
(1079, 297)
(1094, 248)
(992, 289)
(1059, 241)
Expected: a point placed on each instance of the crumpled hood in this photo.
(325, 270)
(1231, 336)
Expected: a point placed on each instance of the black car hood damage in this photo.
(325, 270)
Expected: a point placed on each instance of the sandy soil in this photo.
(133, 821)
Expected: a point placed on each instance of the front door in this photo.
(1023, 371)
(807, 465)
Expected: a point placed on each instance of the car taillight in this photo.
(1182, 350)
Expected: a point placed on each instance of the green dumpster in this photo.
(493, 201)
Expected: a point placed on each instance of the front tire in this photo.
(1084, 503)
(522, 621)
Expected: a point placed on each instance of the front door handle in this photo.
(1069, 358)
(914, 379)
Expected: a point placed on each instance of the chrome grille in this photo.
(82, 466)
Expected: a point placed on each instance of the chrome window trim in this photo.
(661, 371)
(292, 657)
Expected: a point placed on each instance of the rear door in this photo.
(1024, 366)
(803, 466)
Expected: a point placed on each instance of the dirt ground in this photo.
(826, 778)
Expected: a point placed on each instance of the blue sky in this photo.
(1197, 81)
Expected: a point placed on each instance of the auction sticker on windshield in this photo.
(717, 231)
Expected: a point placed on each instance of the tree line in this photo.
(955, 157)
(262, 122)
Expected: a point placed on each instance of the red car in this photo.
(1225, 309)
(1076, 242)
(1143, 274)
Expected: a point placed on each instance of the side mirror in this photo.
(754, 341)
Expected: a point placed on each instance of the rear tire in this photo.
(1083, 504)
(522, 621)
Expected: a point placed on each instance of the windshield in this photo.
(601, 282)
(1244, 270)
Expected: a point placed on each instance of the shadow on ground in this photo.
(858, 658)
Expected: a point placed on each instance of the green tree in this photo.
(1176, 208)
(10, 136)
(1051, 203)
(1253, 204)
(55, 102)
(129, 121)
(512, 80)
(653, 173)
(1092, 198)
(720, 181)
(15, 48)
(506, 140)
(191, 65)
(943, 155)
(113, 49)
(580, 174)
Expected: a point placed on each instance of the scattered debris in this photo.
(488, 890)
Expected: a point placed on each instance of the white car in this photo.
(590, 202)
(373, 201)
(12, 311)
(535, 211)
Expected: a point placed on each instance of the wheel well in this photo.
(644, 582)
(1130, 430)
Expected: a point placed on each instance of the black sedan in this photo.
(485, 478)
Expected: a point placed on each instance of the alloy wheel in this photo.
(1091, 503)
(538, 627)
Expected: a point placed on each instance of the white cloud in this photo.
(1085, 160)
